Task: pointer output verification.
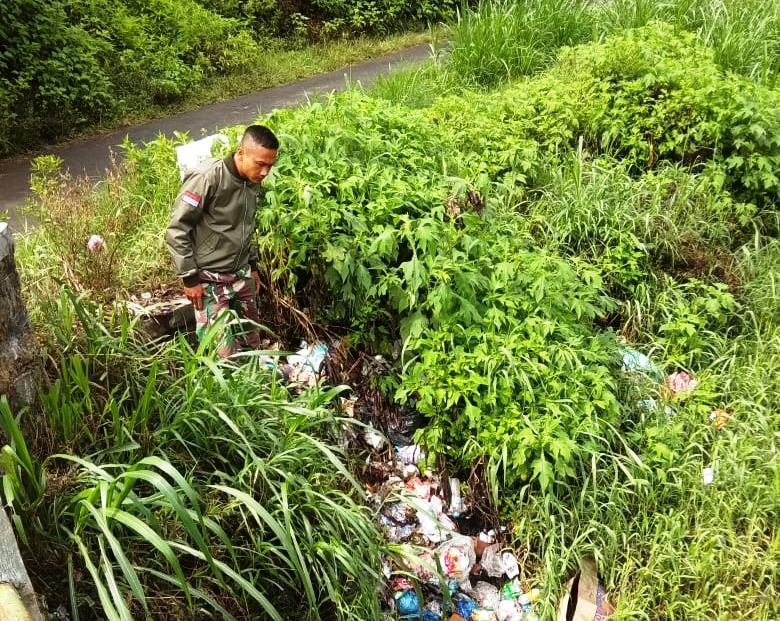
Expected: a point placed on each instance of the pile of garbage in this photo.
(439, 572)
(436, 571)
(442, 564)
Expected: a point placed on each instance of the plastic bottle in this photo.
(456, 502)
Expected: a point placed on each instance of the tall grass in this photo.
(187, 484)
(745, 36)
(669, 545)
(498, 41)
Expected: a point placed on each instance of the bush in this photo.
(51, 73)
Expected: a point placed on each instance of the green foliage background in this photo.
(70, 64)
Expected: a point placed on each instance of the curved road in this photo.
(91, 156)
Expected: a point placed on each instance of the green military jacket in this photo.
(212, 221)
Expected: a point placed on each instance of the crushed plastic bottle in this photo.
(410, 454)
(512, 589)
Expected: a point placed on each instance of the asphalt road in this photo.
(91, 156)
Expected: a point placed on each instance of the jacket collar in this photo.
(231, 166)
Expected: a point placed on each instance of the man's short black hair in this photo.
(261, 135)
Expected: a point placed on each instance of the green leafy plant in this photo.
(24, 480)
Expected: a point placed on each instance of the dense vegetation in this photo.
(568, 181)
(66, 65)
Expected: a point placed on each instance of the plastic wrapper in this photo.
(486, 595)
(508, 610)
(492, 562)
(410, 471)
(483, 614)
(348, 406)
(457, 557)
(406, 602)
(309, 357)
(512, 589)
(401, 583)
(374, 439)
(95, 244)
(419, 487)
(679, 382)
(423, 567)
(434, 524)
(398, 534)
(511, 568)
(410, 454)
(398, 512)
(719, 418)
(526, 599)
(304, 366)
(386, 569)
(464, 605)
(434, 607)
(488, 537)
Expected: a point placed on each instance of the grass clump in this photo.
(186, 486)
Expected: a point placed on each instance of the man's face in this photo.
(254, 162)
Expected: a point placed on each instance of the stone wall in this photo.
(20, 371)
(20, 358)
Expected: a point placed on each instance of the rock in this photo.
(21, 366)
(165, 318)
(17, 601)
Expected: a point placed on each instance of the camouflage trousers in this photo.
(229, 301)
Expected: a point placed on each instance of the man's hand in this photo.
(256, 278)
(195, 295)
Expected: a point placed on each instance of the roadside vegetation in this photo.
(568, 184)
(70, 67)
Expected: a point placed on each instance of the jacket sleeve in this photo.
(187, 212)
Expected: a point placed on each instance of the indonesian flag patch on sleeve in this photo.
(191, 199)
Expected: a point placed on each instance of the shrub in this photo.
(50, 72)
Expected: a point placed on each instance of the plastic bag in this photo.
(407, 602)
(402, 431)
(679, 382)
(457, 557)
(486, 595)
(634, 360)
(491, 561)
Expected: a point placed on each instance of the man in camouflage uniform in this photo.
(209, 237)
